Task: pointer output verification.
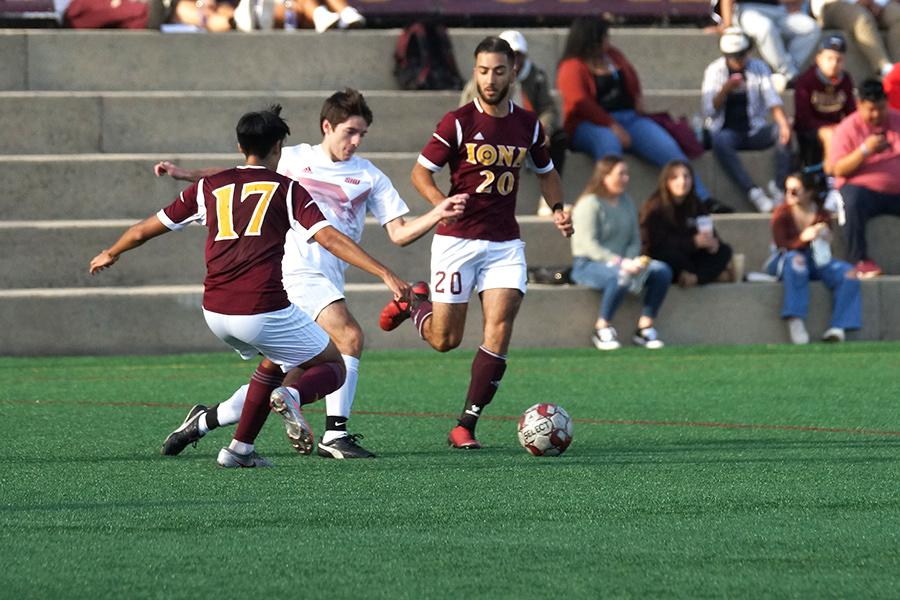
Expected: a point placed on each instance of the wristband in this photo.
(557, 206)
(864, 149)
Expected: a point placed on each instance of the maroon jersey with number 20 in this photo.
(485, 155)
(248, 210)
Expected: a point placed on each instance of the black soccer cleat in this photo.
(187, 433)
(344, 447)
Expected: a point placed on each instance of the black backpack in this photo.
(423, 59)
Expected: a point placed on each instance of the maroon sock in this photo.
(487, 371)
(420, 314)
(319, 381)
(256, 406)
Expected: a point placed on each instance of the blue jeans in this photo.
(727, 142)
(797, 268)
(605, 277)
(860, 205)
(648, 140)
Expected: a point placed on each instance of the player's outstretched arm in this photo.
(348, 251)
(166, 167)
(133, 237)
(423, 180)
(551, 189)
(403, 232)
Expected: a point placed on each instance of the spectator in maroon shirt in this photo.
(823, 95)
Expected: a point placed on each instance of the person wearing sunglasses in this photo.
(802, 238)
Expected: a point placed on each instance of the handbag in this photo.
(681, 132)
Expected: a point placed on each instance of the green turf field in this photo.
(695, 472)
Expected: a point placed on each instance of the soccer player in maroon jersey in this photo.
(248, 211)
(485, 143)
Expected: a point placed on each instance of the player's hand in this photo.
(563, 222)
(452, 208)
(400, 288)
(104, 260)
(169, 168)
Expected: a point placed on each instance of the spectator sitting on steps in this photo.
(736, 95)
(865, 155)
(677, 230)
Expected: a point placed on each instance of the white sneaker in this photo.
(253, 15)
(230, 459)
(243, 17)
(606, 338)
(797, 331)
(648, 337)
(774, 193)
(350, 17)
(759, 199)
(324, 19)
(834, 334)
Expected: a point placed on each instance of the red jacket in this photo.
(578, 89)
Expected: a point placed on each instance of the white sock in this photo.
(241, 447)
(339, 402)
(202, 427)
(229, 412)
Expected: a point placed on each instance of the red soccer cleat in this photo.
(462, 438)
(397, 311)
(394, 313)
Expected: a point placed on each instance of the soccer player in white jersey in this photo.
(484, 143)
(345, 187)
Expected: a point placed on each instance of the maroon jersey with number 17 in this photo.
(485, 155)
(248, 210)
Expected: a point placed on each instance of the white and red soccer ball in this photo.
(545, 430)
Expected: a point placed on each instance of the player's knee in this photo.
(351, 340)
(447, 343)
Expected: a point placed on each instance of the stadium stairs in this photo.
(86, 114)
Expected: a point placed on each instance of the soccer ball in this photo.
(545, 430)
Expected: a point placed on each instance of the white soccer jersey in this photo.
(344, 192)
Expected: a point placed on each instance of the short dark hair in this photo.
(494, 44)
(585, 34)
(259, 131)
(871, 90)
(344, 104)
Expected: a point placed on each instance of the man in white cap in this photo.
(737, 96)
(531, 91)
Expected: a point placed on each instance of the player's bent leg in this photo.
(347, 335)
(445, 328)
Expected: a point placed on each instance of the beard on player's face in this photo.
(498, 97)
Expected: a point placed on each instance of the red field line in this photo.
(434, 415)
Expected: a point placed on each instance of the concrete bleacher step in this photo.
(169, 319)
(103, 186)
(67, 60)
(147, 122)
(55, 254)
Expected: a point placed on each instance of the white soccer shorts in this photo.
(288, 337)
(312, 293)
(458, 265)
